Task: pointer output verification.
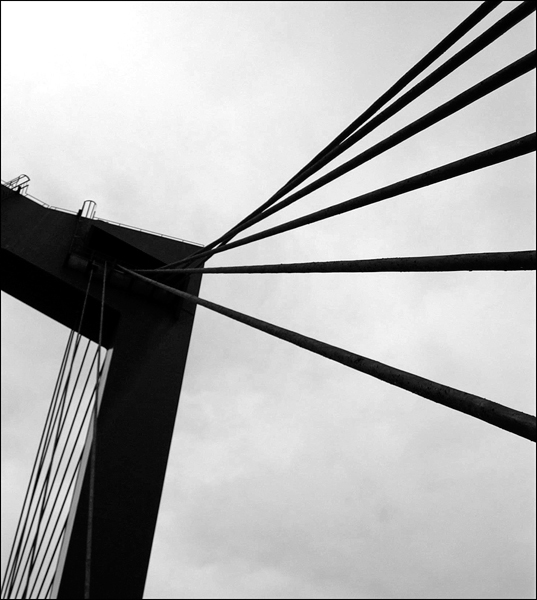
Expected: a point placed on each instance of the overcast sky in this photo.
(290, 475)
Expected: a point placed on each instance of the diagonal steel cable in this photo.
(478, 261)
(494, 32)
(72, 455)
(55, 422)
(90, 403)
(40, 460)
(13, 555)
(481, 160)
(486, 410)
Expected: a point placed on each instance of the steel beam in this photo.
(45, 257)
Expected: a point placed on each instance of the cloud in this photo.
(290, 475)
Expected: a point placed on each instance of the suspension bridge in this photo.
(129, 298)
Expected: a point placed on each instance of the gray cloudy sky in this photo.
(291, 476)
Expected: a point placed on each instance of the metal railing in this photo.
(91, 211)
(20, 184)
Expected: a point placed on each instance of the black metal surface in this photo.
(136, 420)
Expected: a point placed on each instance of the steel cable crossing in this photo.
(13, 558)
(83, 428)
(51, 562)
(471, 95)
(45, 494)
(498, 415)
(476, 17)
(501, 416)
(492, 83)
(480, 160)
(478, 91)
(46, 498)
(491, 412)
(333, 150)
(50, 480)
(41, 458)
(40, 507)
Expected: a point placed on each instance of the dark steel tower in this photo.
(46, 258)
